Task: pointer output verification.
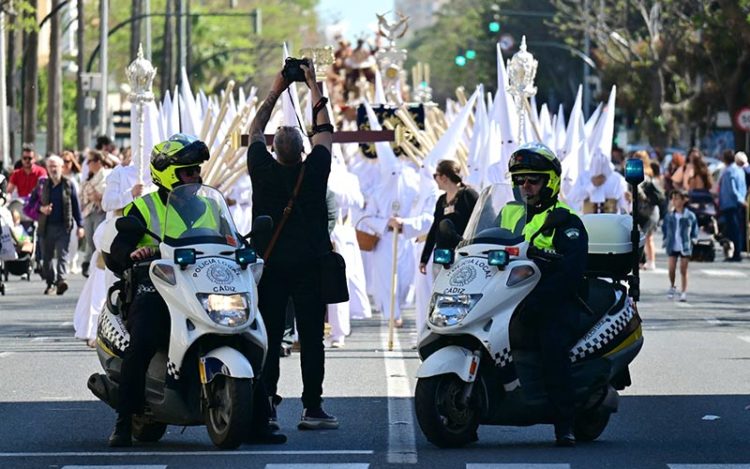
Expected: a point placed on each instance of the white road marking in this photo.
(353, 465)
(402, 446)
(211, 453)
(517, 466)
(67, 324)
(708, 466)
(724, 273)
(714, 321)
(6, 354)
(746, 338)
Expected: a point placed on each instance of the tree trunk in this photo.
(31, 83)
(12, 81)
(54, 86)
(167, 71)
(82, 121)
(135, 29)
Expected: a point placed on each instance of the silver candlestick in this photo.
(140, 75)
(521, 74)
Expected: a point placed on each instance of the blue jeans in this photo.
(733, 229)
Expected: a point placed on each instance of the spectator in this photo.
(680, 232)
(650, 201)
(72, 170)
(93, 191)
(109, 150)
(697, 176)
(732, 193)
(740, 159)
(674, 176)
(293, 269)
(24, 179)
(59, 209)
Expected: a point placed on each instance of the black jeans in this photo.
(301, 283)
(148, 324)
(55, 253)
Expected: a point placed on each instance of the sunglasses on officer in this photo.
(189, 171)
(521, 179)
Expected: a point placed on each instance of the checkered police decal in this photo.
(503, 358)
(113, 332)
(603, 332)
(173, 370)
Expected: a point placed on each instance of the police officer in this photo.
(551, 308)
(174, 162)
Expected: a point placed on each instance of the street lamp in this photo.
(140, 75)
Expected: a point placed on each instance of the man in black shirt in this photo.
(293, 263)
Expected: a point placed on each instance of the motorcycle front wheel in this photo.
(443, 419)
(229, 413)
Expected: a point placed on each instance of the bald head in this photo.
(288, 145)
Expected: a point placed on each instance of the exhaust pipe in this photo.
(103, 388)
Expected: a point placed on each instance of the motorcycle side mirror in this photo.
(245, 257)
(184, 257)
(634, 171)
(498, 258)
(443, 257)
(134, 226)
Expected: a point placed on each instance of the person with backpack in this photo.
(652, 203)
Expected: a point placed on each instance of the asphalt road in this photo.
(688, 406)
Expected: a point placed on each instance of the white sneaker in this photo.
(683, 297)
(671, 292)
(651, 265)
(338, 343)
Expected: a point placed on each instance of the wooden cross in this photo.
(357, 136)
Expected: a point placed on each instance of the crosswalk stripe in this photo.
(114, 454)
(353, 465)
(516, 466)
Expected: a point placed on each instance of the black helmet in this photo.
(180, 151)
(537, 158)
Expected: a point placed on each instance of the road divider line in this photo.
(402, 446)
(725, 273)
(210, 452)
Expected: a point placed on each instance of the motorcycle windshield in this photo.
(499, 217)
(198, 214)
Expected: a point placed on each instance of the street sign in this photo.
(742, 119)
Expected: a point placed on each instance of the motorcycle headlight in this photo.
(226, 310)
(449, 310)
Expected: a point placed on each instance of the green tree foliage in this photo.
(70, 119)
(464, 24)
(676, 62)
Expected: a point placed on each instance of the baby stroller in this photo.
(702, 204)
(24, 242)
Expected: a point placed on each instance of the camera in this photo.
(292, 70)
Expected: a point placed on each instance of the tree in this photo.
(30, 80)
(54, 90)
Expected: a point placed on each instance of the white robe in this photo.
(368, 174)
(401, 188)
(242, 213)
(417, 225)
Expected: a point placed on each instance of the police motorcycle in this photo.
(217, 346)
(480, 364)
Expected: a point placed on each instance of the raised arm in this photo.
(321, 121)
(258, 126)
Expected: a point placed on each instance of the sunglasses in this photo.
(67, 162)
(521, 179)
(435, 176)
(27, 158)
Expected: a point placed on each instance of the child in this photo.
(680, 230)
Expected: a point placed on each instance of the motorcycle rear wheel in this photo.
(441, 417)
(147, 431)
(229, 417)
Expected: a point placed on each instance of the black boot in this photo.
(120, 437)
(564, 435)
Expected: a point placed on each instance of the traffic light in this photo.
(494, 26)
(460, 60)
(471, 54)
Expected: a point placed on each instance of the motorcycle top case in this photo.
(610, 248)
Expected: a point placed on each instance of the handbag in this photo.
(367, 241)
(334, 286)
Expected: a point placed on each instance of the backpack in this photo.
(655, 197)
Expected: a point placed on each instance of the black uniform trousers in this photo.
(301, 282)
(555, 327)
(148, 324)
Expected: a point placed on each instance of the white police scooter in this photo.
(480, 362)
(217, 345)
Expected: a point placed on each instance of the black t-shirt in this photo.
(458, 211)
(305, 235)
